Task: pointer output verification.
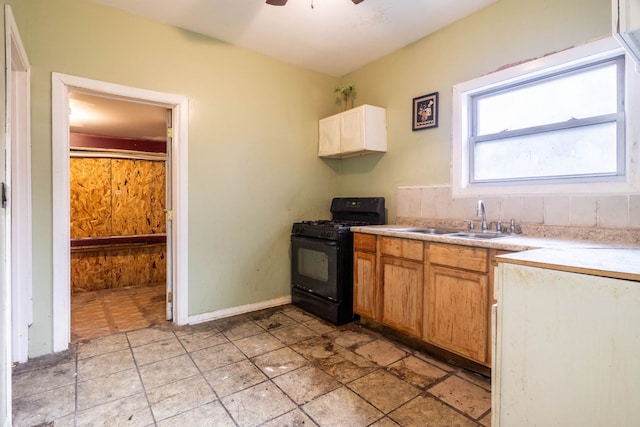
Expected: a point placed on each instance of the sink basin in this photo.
(479, 235)
(424, 230)
(434, 231)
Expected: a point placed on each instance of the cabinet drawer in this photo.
(457, 256)
(364, 242)
(402, 248)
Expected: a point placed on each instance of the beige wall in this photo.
(253, 168)
(506, 32)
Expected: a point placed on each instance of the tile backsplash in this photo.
(599, 217)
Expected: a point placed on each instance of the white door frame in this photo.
(16, 280)
(61, 86)
(18, 131)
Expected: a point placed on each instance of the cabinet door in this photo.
(329, 136)
(351, 130)
(457, 311)
(364, 284)
(402, 284)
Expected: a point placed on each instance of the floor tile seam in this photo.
(146, 343)
(440, 380)
(459, 411)
(195, 350)
(313, 420)
(81, 358)
(34, 372)
(244, 336)
(202, 374)
(111, 400)
(349, 389)
(419, 392)
(37, 372)
(478, 383)
(100, 375)
(39, 394)
(221, 397)
(456, 374)
(484, 414)
(155, 387)
(250, 358)
(174, 337)
(422, 355)
(144, 389)
(302, 405)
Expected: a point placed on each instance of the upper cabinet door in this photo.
(626, 25)
(329, 136)
(351, 131)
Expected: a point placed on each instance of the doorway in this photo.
(118, 199)
(65, 87)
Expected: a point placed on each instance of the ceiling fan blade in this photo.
(357, 1)
(278, 2)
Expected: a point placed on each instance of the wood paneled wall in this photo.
(116, 197)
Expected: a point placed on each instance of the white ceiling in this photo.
(335, 37)
(117, 118)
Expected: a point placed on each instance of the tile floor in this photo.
(106, 312)
(276, 367)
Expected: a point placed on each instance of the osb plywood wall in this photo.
(116, 197)
(117, 267)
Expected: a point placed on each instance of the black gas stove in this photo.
(322, 257)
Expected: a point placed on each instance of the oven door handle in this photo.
(315, 240)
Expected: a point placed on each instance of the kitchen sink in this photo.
(451, 232)
(434, 231)
(424, 230)
(479, 235)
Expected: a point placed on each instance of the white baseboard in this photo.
(233, 311)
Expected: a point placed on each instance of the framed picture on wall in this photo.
(425, 111)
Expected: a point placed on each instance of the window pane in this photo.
(585, 93)
(585, 150)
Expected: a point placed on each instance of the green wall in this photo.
(506, 32)
(253, 168)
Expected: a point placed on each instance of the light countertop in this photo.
(596, 258)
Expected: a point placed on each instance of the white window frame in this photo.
(570, 58)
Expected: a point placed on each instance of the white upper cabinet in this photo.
(354, 132)
(626, 25)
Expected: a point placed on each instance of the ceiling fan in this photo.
(283, 2)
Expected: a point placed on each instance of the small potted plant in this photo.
(347, 95)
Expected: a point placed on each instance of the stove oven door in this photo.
(314, 266)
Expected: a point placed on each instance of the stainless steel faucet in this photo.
(481, 213)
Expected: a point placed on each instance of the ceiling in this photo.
(335, 37)
(117, 118)
(329, 36)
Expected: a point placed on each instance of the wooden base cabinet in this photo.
(365, 283)
(457, 311)
(457, 300)
(439, 293)
(402, 283)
